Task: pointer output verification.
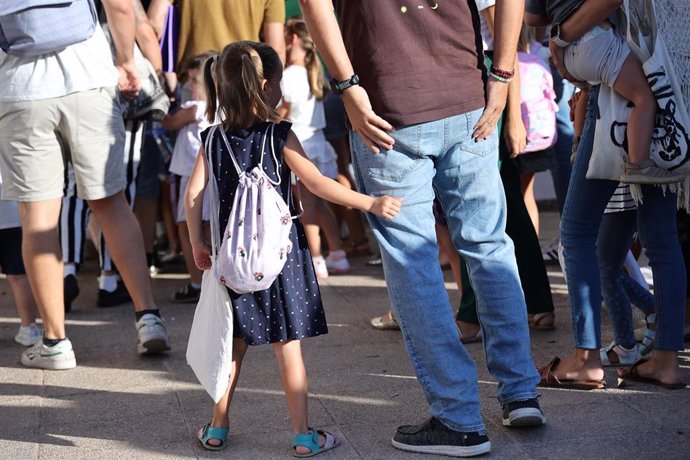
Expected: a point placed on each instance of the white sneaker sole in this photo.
(68, 361)
(527, 416)
(451, 451)
(156, 345)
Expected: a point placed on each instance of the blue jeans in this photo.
(617, 288)
(564, 142)
(441, 156)
(656, 222)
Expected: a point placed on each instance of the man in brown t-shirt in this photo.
(413, 83)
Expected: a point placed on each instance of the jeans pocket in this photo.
(391, 165)
(480, 148)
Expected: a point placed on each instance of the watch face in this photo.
(554, 31)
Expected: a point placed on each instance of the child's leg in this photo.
(632, 85)
(194, 272)
(293, 375)
(311, 222)
(329, 225)
(24, 298)
(222, 408)
(527, 185)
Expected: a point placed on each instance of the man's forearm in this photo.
(122, 29)
(507, 25)
(324, 29)
(588, 15)
(146, 37)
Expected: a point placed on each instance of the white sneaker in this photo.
(29, 335)
(152, 335)
(337, 263)
(58, 357)
(320, 267)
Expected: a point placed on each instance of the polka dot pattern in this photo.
(291, 309)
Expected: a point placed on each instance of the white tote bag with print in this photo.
(670, 147)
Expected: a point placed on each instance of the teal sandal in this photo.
(208, 432)
(311, 442)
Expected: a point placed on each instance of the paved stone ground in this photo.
(119, 405)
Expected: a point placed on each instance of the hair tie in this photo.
(215, 58)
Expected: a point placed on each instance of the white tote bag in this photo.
(670, 146)
(209, 351)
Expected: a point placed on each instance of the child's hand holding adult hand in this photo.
(202, 255)
(386, 206)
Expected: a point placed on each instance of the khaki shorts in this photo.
(37, 137)
(597, 57)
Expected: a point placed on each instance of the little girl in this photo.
(247, 87)
(303, 93)
(188, 121)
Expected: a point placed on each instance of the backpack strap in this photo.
(213, 192)
(269, 134)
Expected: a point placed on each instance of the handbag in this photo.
(670, 146)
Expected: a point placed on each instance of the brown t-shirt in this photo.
(211, 24)
(419, 62)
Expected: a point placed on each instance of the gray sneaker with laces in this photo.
(152, 335)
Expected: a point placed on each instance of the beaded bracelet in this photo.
(500, 78)
(508, 74)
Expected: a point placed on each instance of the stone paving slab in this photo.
(118, 405)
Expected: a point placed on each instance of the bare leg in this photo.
(221, 410)
(293, 375)
(632, 85)
(329, 225)
(662, 366)
(126, 245)
(311, 222)
(527, 185)
(168, 219)
(43, 261)
(194, 272)
(24, 298)
(584, 364)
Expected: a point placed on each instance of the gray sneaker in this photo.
(152, 335)
(649, 173)
(29, 335)
(58, 357)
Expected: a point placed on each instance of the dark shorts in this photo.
(150, 166)
(11, 261)
(536, 161)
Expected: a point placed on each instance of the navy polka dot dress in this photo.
(291, 308)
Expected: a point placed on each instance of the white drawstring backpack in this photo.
(256, 242)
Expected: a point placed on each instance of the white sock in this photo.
(195, 285)
(69, 269)
(107, 282)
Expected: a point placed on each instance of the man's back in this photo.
(418, 63)
(212, 24)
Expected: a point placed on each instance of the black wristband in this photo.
(340, 86)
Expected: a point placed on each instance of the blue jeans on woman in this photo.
(617, 288)
(441, 156)
(656, 221)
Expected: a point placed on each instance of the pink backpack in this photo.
(537, 100)
(256, 241)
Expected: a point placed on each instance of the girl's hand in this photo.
(202, 255)
(385, 206)
(515, 136)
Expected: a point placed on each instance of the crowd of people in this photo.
(422, 125)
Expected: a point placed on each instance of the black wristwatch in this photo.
(340, 86)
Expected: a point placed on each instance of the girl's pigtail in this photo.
(252, 76)
(317, 83)
(210, 89)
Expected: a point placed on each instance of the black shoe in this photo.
(112, 299)
(71, 291)
(523, 413)
(433, 437)
(188, 294)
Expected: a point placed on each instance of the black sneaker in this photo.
(188, 294)
(112, 299)
(71, 291)
(523, 413)
(433, 437)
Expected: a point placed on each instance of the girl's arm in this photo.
(284, 109)
(330, 190)
(193, 203)
(179, 119)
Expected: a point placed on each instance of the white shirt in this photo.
(80, 67)
(9, 213)
(306, 113)
(487, 38)
(188, 141)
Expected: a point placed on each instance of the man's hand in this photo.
(497, 94)
(515, 136)
(128, 80)
(371, 128)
